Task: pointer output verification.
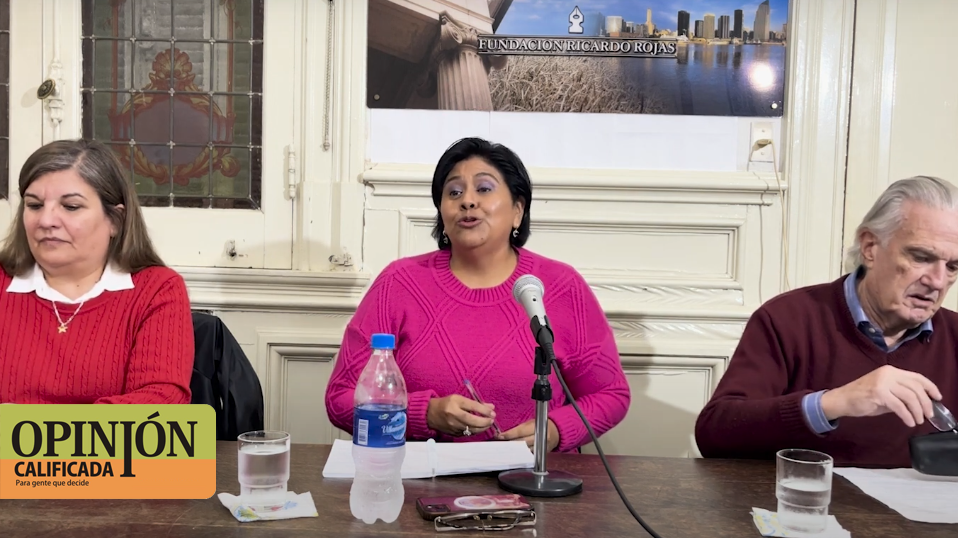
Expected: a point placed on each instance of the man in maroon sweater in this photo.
(851, 367)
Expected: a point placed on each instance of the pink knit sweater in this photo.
(446, 333)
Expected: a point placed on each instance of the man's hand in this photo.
(885, 390)
(454, 413)
(527, 432)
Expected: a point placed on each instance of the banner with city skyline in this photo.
(679, 57)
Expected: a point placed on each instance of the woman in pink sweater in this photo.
(455, 318)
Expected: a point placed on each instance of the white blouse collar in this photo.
(33, 282)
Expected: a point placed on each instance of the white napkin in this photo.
(768, 525)
(297, 505)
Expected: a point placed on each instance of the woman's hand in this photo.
(527, 432)
(457, 415)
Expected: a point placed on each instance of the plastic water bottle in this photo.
(379, 436)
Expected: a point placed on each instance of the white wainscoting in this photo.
(299, 364)
(273, 291)
(670, 379)
(293, 354)
(670, 385)
(706, 239)
(678, 260)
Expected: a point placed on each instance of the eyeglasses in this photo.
(942, 419)
(488, 521)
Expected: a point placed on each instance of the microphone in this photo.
(539, 482)
(528, 291)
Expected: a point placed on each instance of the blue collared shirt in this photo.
(812, 403)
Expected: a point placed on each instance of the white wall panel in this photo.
(668, 391)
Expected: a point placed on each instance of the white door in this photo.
(20, 110)
(194, 96)
(905, 102)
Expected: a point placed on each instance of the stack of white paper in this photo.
(918, 497)
(428, 459)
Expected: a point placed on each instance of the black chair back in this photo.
(224, 378)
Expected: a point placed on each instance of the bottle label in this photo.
(382, 427)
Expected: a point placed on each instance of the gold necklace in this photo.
(63, 324)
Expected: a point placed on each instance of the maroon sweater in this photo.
(804, 341)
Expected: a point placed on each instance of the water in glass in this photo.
(803, 504)
(803, 487)
(263, 473)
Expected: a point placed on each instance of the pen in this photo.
(475, 396)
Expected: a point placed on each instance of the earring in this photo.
(445, 238)
(515, 233)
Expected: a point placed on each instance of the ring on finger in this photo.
(466, 432)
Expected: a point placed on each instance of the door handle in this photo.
(47, 89)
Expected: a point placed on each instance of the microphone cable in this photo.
(595, 441)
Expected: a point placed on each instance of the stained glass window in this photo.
(4, 99)
(175, 87)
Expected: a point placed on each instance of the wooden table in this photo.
(679, 498)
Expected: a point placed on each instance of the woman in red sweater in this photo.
(88, 311)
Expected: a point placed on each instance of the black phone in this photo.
(432, 507)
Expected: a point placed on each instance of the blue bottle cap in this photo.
(383, 341)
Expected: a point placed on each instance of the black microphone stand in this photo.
(540, 482)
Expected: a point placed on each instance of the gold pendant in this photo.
(62, 329)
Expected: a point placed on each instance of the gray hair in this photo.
(885, 217)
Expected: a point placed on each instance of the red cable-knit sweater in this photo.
(804, 341)
(123, 347)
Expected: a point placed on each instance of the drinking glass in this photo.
(263, 463)
(803, 486)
